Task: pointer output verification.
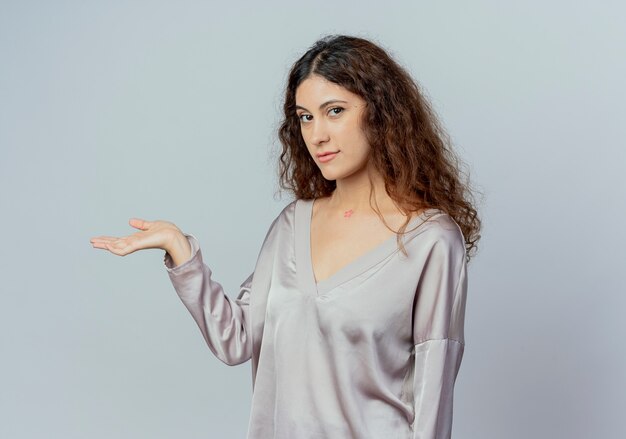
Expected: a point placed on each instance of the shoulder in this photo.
(290, 208)
(283, 218)
(440, 230)
(287, 213)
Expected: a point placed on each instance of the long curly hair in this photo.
(409, 146)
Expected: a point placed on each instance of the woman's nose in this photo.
(319, 132)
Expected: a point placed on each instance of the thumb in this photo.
(140, 224)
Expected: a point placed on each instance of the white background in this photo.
(168, 110)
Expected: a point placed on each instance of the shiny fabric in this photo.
(373, 351)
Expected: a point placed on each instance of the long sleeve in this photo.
(224, 322)
(438, 337)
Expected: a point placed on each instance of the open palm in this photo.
(152, 234)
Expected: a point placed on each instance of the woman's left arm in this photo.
(438, 336)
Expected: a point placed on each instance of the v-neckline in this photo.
(304, 261)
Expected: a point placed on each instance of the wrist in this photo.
(178, 248)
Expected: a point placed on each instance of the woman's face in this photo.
(330, 121)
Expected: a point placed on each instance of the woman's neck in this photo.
(352, 195)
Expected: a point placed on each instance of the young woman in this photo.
(353, 315)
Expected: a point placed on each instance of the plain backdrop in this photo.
(169, 110)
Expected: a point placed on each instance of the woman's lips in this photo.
(328, 157)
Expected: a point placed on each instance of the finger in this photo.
(99, 245)
(103, 239)
(120, 247)
(139, 223)
(106, 245)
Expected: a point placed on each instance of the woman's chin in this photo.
(331, 174)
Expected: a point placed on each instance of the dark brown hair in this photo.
(409, 147)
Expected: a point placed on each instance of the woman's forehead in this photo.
(316, 90)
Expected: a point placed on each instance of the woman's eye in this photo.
(335, 110)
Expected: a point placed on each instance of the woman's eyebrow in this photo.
(332, 101)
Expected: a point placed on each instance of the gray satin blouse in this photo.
(373, 351)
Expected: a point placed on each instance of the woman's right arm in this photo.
(224, 322)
